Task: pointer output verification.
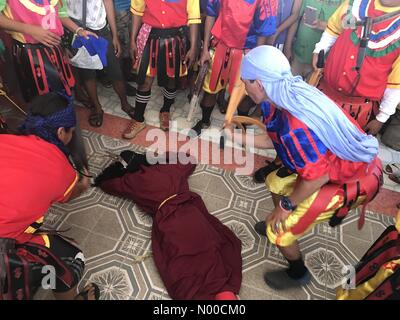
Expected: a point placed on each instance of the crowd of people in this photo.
(325, 133)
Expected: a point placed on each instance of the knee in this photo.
(146, 86)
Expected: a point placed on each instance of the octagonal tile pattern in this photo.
(115, 235)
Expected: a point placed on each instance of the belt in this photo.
(334, 94)
(167, 33)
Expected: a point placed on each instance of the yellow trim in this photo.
(366, 288)
(194, 21)
(30, 230)
(393, 80)
(15, 35)
(71, 186)
(284, 187)
(35, 8)
(379, 6)
(46, 240)
(169, 198)
(398, 221)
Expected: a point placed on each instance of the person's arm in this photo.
(303, 190)
(292, 19)
(81, 187)
(192, 53)
(387, 107)
(73, 27)
(261, 141)
(110, 11)
(77, 187)
(333, 30)
(288, 46)
(205, 56)
(137, 10)
(194, 19)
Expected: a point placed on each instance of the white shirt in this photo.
(96, 17)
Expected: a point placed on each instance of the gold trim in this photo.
(37, 9)
(169, 198)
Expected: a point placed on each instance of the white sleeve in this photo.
(326, 42)
(390, 100)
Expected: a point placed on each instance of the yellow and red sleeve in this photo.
(193, 10)
(138, 7)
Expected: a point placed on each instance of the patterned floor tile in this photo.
(115, 235)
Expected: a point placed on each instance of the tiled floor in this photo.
(115, 235)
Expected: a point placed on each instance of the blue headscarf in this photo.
(308, 104)
(46, 127)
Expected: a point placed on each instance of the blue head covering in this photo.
(308, 104)
(46, 127)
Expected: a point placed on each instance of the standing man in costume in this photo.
(362, 71)
(236, 26)
(329, 165)
(36, 27)
(35, 174)
(166, 52)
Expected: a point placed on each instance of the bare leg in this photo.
(120, 89)
(91, 89)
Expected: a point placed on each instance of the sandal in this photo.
(130, 111)
(96, 118)
(85, 294)
(395, 177)
(392, 168)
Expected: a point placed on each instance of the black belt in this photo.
(167, 33)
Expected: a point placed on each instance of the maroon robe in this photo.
(196, 255)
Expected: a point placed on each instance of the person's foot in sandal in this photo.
(392, 168)
(90, 292)
(129, 110)
(395, 177)
(96, 118)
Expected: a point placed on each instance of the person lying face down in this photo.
(196, 255)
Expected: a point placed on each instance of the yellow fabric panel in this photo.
(138, 7)
(193, 10)
(365, 289)
(46, 240)
(398, 221)
(335, 24)
(394, 76)
(379, 6)
(284, 187)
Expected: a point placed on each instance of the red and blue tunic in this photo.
(302, 152)
(240, 22)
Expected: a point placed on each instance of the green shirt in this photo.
(62, 9)
(307, 37)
